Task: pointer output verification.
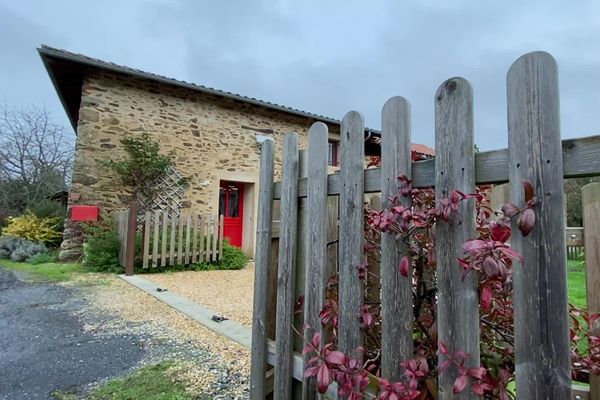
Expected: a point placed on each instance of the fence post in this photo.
(350, 296)
(261, 271)
(542, 355)
(131, 232)
(316, 240)
(287, 269)
(396, 290)
(458, 299)
(591, 232)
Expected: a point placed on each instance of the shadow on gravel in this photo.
(43, 347)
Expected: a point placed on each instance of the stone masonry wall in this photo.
(214, 138)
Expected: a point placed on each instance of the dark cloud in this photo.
(330, 57)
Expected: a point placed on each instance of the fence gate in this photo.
(303, 199)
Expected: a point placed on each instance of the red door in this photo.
(231, 206)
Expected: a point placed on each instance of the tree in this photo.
(35, 157)
(573, 194)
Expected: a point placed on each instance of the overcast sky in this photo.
(321, 56)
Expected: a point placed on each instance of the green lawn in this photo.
(576, 284)
(148, 383)
(54, 272)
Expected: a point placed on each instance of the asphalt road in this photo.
(43, 347)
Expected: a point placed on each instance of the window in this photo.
(334, 146)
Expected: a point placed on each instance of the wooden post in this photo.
(458, 299)
(316, 241)
(261, 271)
(131, 232)
(350, 298)
(396, 290)
(542, 355)
(287, 269)
(591, 229)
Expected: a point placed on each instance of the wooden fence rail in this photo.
(535, 153)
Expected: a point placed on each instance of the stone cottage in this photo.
(215, 135)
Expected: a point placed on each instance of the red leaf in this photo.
(478, 373)
(460, 384)
(404, 264)
(509, 209)
(310, 372)
(528, 187)
(526, 221)
(490, 267)
(442, 347)
(486, 297)
(500, 233)
(335, 357)
(323, 378)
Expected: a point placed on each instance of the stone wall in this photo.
(214, 138)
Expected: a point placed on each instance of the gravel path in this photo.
(108, 312)
(228, 293)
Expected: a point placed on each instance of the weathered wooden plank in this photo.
(201, 230)
(286, 272)
(156, 224)
(261, 271)
(591, 226)
(172, 249)
(215, 237)
(195, 240)
(120, 218)
(300, 279)
(350, 335)
(542, 357)
(132, 216)
(207, 237)
(188, 233)
(396, 290)
(147, 227)
(180, 240)
(163, 250)
(458, 305)
(580, 159)
(221, 228)
(316, 240)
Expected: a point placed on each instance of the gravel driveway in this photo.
(229, 293)
(73, 336)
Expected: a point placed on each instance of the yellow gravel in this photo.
(228, 293)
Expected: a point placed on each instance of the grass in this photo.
(576, 283)
(53, 272)
(148, 383)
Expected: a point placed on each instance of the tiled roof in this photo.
(51, 52)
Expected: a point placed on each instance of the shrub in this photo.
(8, 244)
(47, 208)
(233, 257)
(19, 249)
(43, 258)
(27, 250)
(101, 248)
(34, 228)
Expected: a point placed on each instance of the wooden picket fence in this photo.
(174, 239)
(575, 243)
(302, 261)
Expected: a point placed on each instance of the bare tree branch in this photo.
(35, 157)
